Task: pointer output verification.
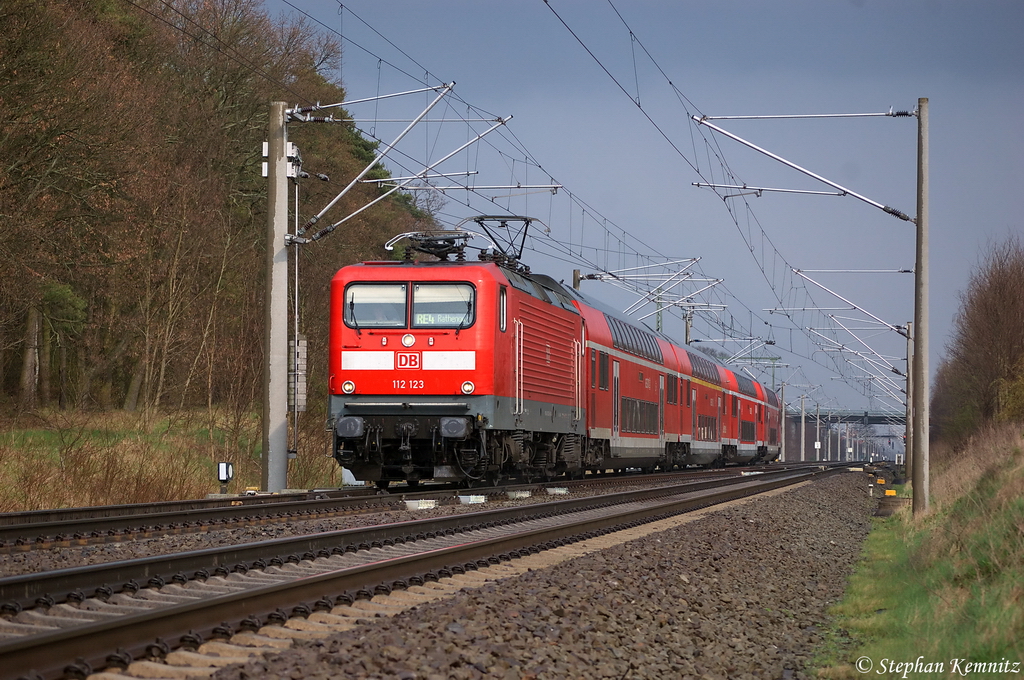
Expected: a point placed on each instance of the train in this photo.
(479, 371)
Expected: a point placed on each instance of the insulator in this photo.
(896, 213)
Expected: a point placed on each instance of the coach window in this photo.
(375, 305)
(502, 308)
(442, 305)
(593, 367)
(602, 368)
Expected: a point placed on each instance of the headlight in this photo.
(349, 426)
(454, 428)
(408, 340)
(348, 387)
(468, 387)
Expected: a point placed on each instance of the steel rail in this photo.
(86, 529)
(69, 514)
(46, 656)
(23, 591)
(85, 526)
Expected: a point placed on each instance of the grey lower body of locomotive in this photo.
(487, 438)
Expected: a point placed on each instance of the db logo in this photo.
(408, 359)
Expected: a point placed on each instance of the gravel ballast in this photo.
(740, 592)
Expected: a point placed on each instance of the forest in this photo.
(131, 262)
(980, 381)
(133, 251)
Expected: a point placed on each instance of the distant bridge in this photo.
(858, 417)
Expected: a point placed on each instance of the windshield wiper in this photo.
(467, 318)
(352, 315)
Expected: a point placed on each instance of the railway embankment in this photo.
(742, 591)
(942, 595)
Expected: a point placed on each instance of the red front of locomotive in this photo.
(412, 367)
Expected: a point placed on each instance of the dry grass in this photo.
(956, 473)
(73, 459)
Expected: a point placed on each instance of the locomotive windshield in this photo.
(442, 305)
(375, 305)
(434, 305)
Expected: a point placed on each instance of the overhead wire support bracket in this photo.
(493, 187)
(898, 329)
(759, 190)
(320, 107)
(377, 159)
(882, 378)
(889, 113)
(428, 120)
(756, 343)
(888, 364)
(670, 281)
(433, 175)
(703, 120)
(786, 310)
(859, 271)
(426, 170)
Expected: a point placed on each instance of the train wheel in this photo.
(383, 483)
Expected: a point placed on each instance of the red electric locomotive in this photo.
(478, 371)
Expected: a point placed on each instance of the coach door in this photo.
(579, 354)
(615, 399)
(661, 407)
(693, 414)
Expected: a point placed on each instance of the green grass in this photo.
(946, 586)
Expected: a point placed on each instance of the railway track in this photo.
(44, 529)
(75, 621)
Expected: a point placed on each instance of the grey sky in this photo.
(725, 58)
